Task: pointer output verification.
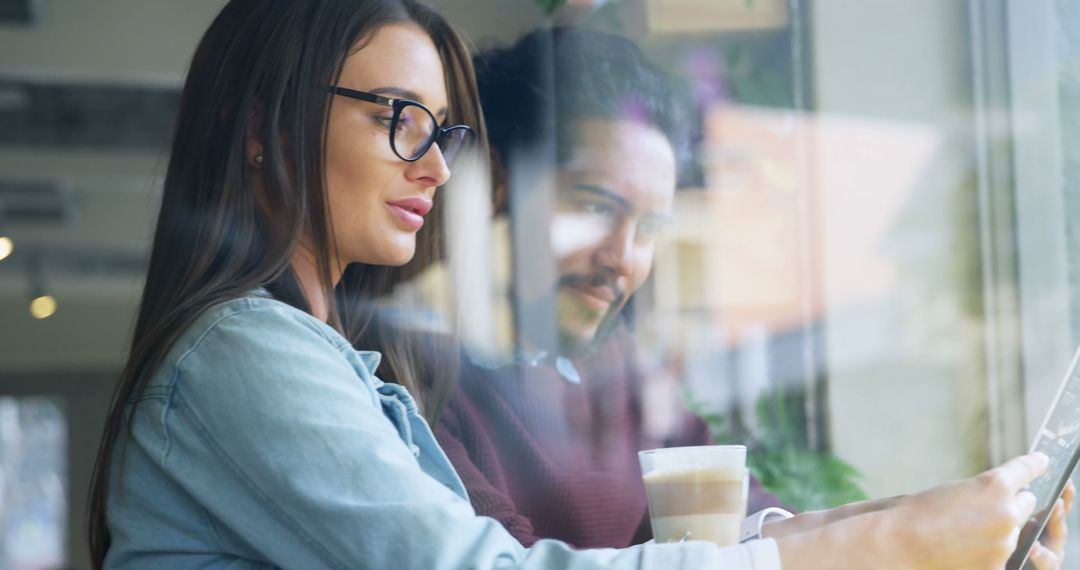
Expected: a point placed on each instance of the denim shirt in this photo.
(263, 440)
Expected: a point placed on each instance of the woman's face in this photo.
(377, 200)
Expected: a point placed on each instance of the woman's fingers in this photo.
(1049, 554)
(1044, 559)
(1056, 529)
(1068, 495)
(1018, 472)
(1025, 506)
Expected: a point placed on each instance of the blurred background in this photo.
(870, 278)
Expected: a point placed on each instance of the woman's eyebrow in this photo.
(397, 93)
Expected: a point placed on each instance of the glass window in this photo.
(33, 483)
(868, 264)
(837, 232)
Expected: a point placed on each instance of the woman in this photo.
(246, 432)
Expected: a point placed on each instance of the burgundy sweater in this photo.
(552, 459)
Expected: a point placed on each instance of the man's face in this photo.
(613, 196)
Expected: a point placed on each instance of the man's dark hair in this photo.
(552, 79)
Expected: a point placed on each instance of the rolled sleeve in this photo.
(756, 554)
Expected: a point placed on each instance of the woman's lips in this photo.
(410, 211)
(406, 217)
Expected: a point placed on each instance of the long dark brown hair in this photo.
(263, 67)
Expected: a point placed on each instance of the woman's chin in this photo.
(393, 254)
(398, 256)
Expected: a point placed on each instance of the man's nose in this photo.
(616, 252)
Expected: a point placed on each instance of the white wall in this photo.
(136, 41)
(489, 23)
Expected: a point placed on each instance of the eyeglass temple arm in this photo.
(362, 95)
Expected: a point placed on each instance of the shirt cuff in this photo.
(753, 555)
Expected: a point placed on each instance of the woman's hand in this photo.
(971, 524)
(1050, 554)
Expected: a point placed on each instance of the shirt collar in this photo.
(565, 367)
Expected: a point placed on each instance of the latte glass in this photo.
(696, 493)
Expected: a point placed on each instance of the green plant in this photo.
(550, 6)
(778, 456)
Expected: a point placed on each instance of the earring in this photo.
(258, 160)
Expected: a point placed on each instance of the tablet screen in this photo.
(1059, 439)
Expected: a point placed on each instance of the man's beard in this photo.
(572, 342)
(534, 318)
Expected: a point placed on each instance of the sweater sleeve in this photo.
(488, 498)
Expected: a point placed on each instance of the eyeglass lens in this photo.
(414, 131)
(453, 140)
(417, 129)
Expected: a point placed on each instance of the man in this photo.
(547, 443)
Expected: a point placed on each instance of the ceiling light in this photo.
(43, 306)
(6, 247)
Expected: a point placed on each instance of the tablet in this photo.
(1059, 439)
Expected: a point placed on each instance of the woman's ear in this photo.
(253, 145)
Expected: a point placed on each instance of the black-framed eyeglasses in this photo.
(413, 127)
